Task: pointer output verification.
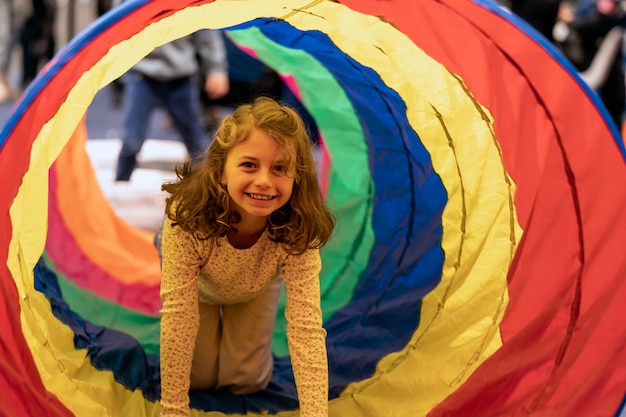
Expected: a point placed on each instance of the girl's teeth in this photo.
(261, 197)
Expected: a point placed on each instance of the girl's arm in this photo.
(179, 318)
(305, 334)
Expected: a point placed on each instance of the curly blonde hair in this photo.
(198, 203)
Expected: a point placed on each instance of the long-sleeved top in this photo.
(201, 51)
(214, 271)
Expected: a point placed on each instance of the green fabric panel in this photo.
(350, 191)
(101, 312)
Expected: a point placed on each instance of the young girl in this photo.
(249, 218)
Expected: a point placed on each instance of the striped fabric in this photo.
(477, 268)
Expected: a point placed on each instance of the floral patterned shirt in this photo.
(213, 271)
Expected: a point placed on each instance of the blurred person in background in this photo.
(579, 28)
(540, 14)
(13, 14)
(37, 39)
(167, 77)
(589, 23)
(5, 47)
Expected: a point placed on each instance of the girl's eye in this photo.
(281, 169)
(247, 164)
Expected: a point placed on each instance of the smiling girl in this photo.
(248, 220)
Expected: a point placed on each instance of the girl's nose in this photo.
(263, 179)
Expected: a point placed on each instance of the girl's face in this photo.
(258, 177)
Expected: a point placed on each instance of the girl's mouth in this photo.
(260, 197)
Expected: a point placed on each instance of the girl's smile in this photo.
(258, 176)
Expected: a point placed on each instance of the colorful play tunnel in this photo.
(478, 266)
